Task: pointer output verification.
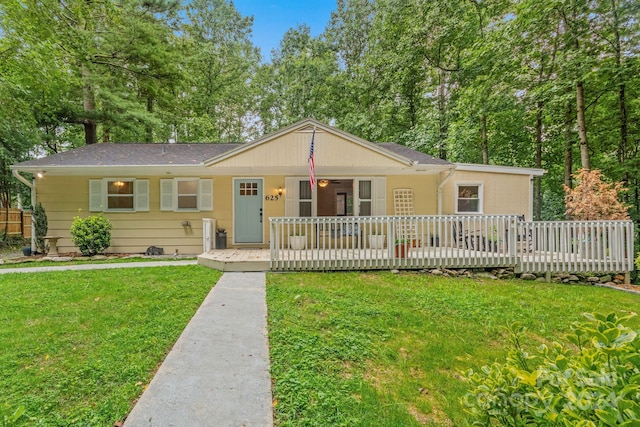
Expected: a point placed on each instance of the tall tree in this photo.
(299, 82)
(218, 102)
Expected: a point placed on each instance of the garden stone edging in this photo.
(614, 281)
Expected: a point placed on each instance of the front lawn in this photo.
(78, 347)
(365, 349)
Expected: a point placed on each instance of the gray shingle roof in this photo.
(126, 154)
(138, 154)
(410, 153)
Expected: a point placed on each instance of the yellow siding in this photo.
(292, 150)
(66, 197)
(503, 193)
(425, 192)
(133, 232)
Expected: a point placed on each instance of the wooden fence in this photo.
(450, 241)
(16, 222)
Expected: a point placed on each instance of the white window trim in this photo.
(480, 186)
(101, 186)
(176, 194)
(107, 181)
(204, 195)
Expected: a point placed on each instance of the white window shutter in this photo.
(141, 195)
(96, 195)
(166, 195)
(291, 187)
(379, 196)
(205, 194)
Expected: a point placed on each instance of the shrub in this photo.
(40, 225)
(594, 199)
(595, 383)
(92, 235)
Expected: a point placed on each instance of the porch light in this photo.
(40, 174)
(279, 191)
(323, 183)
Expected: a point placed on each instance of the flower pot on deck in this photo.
(298, 243)
(402, 249)
(376, 241)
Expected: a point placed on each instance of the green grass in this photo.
(78, 347)
(369, 349)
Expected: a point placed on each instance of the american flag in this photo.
(312, 171)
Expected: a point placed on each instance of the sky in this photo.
(272, 18)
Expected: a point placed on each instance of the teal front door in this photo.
(247, 207)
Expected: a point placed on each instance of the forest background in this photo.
(552, 84)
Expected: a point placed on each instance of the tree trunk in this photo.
(622, 101)
(568, 150)
(89, 104)
(582, 127)
(149, 127)
(442, 117)
(537, 181)
(484, 143)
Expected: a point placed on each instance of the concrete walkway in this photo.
(217, 374)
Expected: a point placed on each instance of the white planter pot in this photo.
(376, 241)
(298, 243)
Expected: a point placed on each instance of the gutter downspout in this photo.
(23, 180)
(32, 186)
(452, 170)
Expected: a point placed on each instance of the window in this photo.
(118, 195)
(469, 198)
(364, 194)
(306, 198)
(186, 194)
(248, 188)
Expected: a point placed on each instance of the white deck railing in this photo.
(473, 241)
(576, 246)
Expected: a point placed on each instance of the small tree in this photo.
(594, 199)
(92, 235)
(40, 225)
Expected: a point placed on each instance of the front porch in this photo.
(423, 242)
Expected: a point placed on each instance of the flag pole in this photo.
(311, 161)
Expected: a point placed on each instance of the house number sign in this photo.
(270, 198)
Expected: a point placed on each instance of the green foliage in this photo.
(92, 235)
(595, 381)
(41, 226)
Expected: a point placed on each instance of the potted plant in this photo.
(376, 239)
(298, 240)
(402, 247)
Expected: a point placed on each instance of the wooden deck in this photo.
(238, 259)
